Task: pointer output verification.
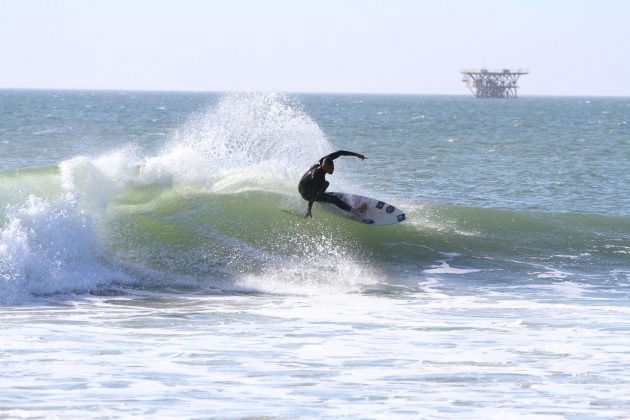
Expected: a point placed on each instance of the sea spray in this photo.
(246, 136)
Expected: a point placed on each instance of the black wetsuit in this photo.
(313, 184)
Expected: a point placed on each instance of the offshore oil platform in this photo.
(484, 83)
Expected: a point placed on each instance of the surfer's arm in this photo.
(338, 153)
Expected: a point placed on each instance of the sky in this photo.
(570, 47)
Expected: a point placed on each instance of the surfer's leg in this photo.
(332, 199)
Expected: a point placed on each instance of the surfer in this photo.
(313, 184)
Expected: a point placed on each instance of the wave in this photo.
(190, 214)
(217, 209)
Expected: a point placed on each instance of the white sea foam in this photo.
(330, 272)
(49, 249)
(324, 355)
(445, 268)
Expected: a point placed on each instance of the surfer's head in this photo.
(328, 166)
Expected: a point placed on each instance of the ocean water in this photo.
(154, 261)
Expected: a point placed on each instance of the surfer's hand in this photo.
(308, 214)
(360, 156)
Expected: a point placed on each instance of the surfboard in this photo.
(377, 213)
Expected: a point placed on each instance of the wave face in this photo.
(216, 208)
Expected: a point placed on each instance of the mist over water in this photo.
(156, 244)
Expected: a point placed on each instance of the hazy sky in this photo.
(571, 47)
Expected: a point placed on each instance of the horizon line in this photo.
(296, 92)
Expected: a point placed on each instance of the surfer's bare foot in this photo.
(361, 209)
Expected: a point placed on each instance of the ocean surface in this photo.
(154, 260)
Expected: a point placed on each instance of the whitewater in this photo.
(153, 260)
